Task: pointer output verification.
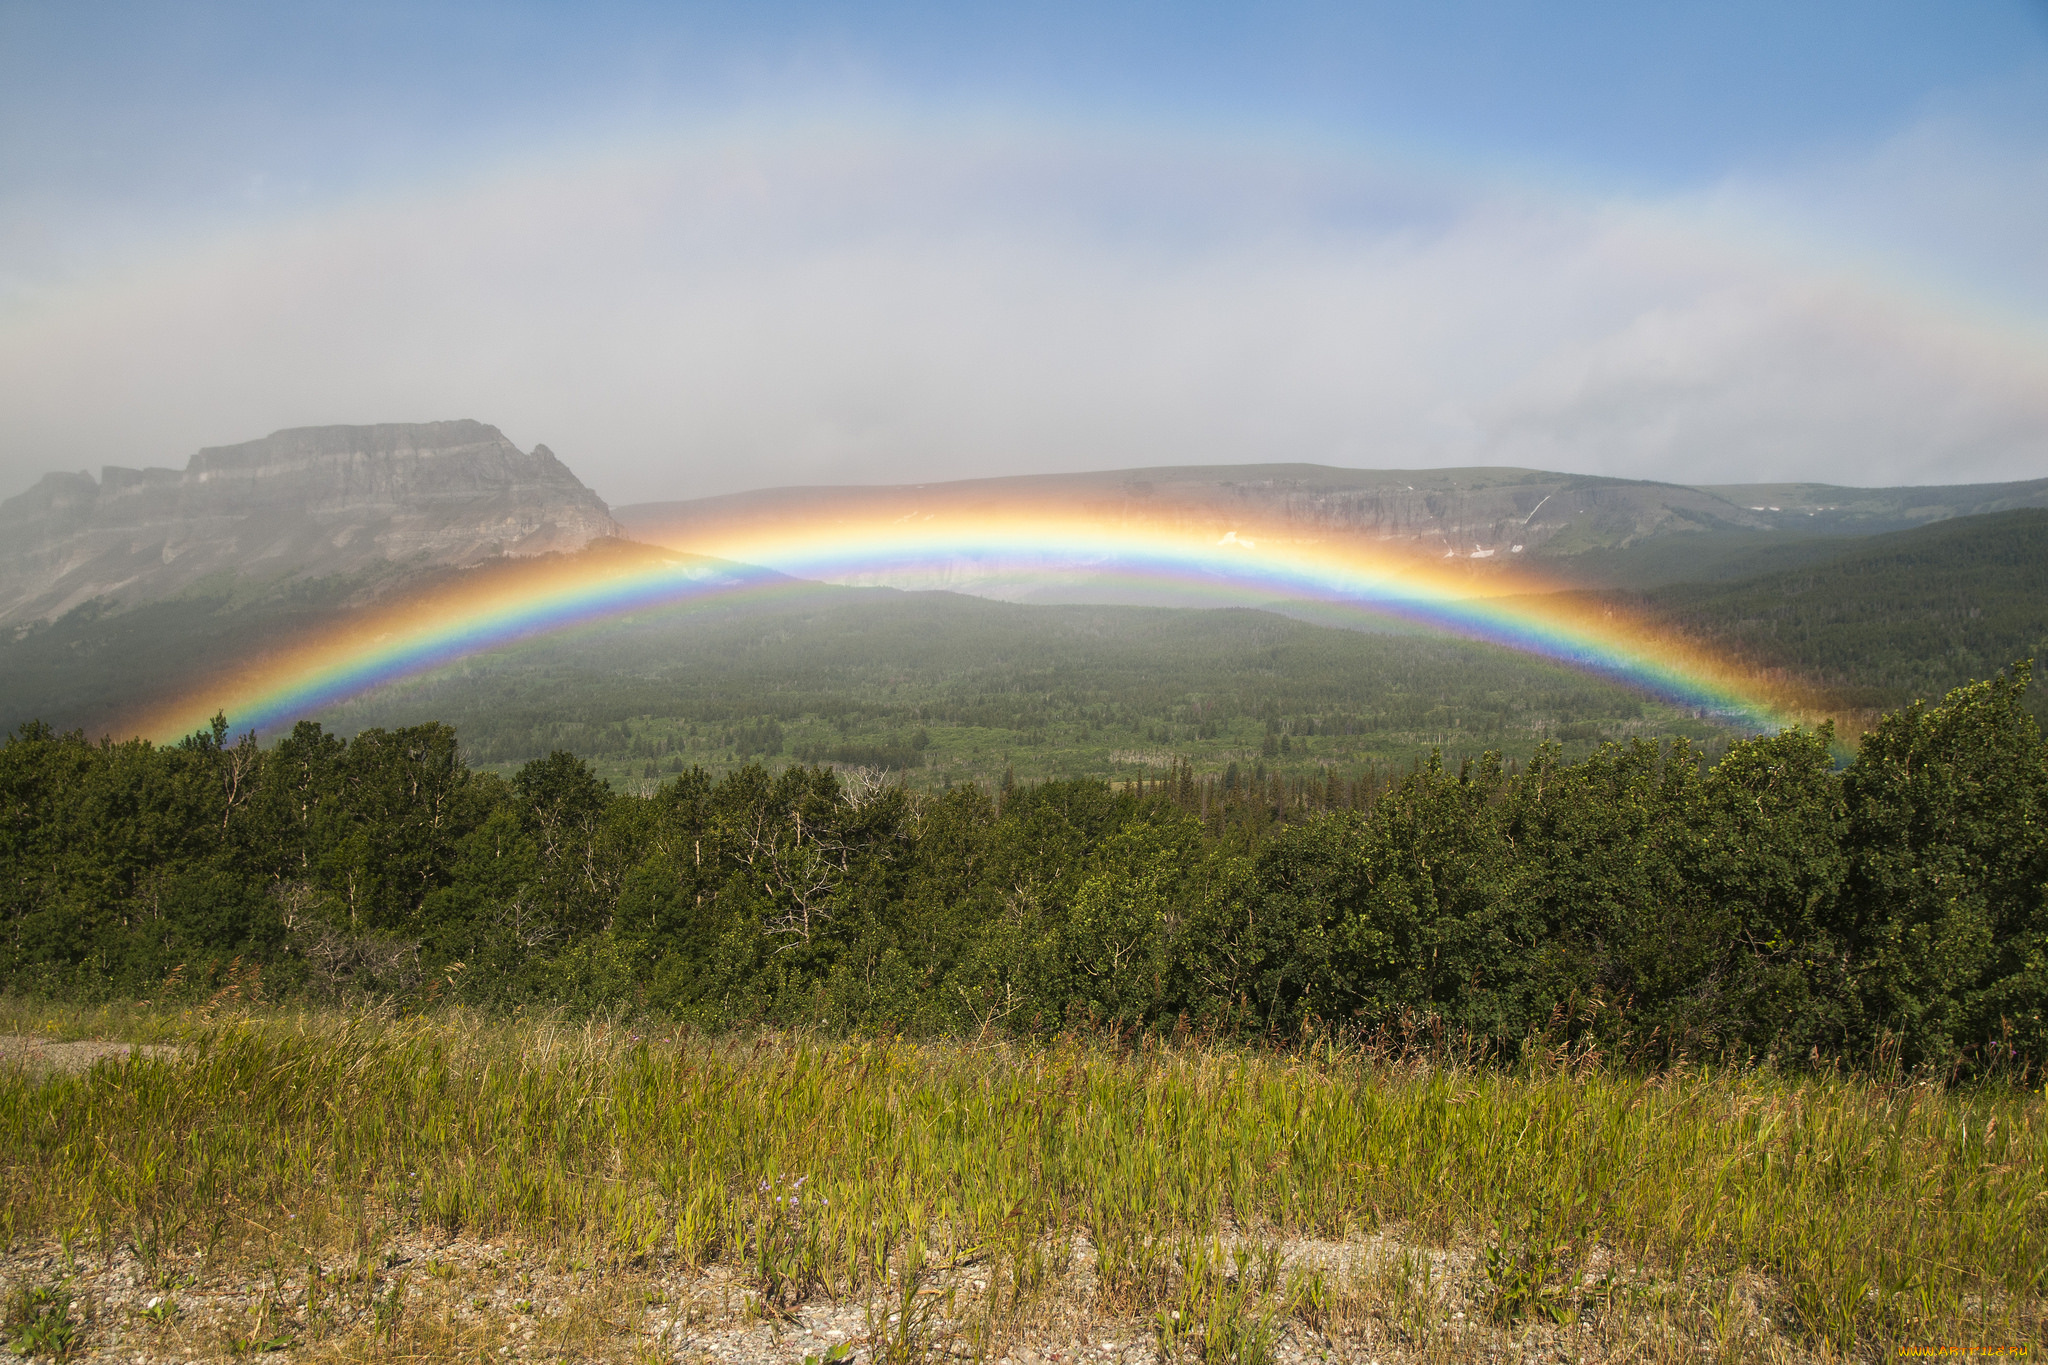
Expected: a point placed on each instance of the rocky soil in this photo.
(420, 1300)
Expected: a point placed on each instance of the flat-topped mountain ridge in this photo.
(306, 501)
(1464, 513)
(1832, 508)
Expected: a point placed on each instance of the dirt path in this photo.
(43, 1054)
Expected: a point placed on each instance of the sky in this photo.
(697, 248)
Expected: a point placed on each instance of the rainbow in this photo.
(511, 602)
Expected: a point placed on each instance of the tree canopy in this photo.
(1640, 898)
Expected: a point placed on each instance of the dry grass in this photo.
(350, 1187)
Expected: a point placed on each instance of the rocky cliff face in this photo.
(302, 502)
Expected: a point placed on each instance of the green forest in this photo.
(1768, 903)
(1886, 619)
(947, 689)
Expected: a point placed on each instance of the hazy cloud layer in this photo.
(904, 305)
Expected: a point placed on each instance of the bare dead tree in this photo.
(363, 961)
(860, 788)
(297, 901)
(238, 767)
(528, 922)
(800, 866)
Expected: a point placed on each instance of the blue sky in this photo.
(694, 248)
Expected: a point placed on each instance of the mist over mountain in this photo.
(299, 503)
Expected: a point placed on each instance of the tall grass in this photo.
(1876, 1214)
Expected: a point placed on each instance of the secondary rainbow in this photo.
(496, 607)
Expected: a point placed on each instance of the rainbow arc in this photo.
(1003, 554)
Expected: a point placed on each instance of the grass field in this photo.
(363, 1187)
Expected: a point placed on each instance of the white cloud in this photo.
(899, 306)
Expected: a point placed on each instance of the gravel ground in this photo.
(492, 1302)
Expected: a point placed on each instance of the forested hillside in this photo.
(1894, 617)
(1639, 898)
(951, 689)
(88, 667)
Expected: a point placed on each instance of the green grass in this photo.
(1862, 1215)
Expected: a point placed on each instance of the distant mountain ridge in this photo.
(1830, 509)
(306, 501)
(335, 501)
(1478, 513)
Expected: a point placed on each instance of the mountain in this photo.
(1577, 529)
(1500, 515)
(144, 582)
(308, 502)
(1808, 524)
(1828, 509)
